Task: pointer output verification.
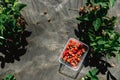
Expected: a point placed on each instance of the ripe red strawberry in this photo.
(78, 59)
(68, 60)
(73, 64)
(79, 52)
(73, 55)
(83, 50)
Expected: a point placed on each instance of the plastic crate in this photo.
(75, 43)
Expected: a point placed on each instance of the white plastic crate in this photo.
(78, 66)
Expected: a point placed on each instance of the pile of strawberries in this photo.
(73, 52)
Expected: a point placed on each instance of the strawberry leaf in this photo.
(97, 24)
(112, 2)
(19, 6)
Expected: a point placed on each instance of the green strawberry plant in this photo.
(97, 28)
(91, 75)
(9, 77)
(12, 24)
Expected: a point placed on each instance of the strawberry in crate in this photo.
(73, 52)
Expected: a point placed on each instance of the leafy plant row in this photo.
(97, 29)
(12, 24)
